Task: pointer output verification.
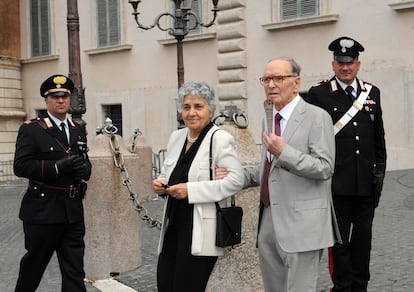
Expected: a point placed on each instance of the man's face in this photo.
(281, 86)
(346, 72)
(58, 106)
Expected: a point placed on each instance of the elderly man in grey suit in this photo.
(296, 215)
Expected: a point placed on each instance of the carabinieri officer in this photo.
(355, 108)
(51, 152)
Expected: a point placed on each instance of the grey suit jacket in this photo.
(300, 181)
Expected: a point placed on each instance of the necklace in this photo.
(191, 140)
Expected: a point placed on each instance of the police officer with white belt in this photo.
(355, 108)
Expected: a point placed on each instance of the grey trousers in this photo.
(282, 271)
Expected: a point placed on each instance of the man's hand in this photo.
(69, 164)
(84, 172)
(220, 173)
(274, 143)
(378, 184)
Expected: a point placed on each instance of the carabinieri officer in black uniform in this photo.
(54, 159)
(355, 108)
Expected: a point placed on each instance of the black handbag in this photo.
(229, 219)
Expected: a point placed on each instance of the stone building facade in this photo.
(11, 99)
(132, 77)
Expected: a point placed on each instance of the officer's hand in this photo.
(69, 164)
(84, 172)
(378, 184)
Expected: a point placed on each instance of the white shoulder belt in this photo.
(356, 107)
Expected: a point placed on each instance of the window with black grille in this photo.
(114, 112)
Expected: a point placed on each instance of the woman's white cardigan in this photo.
(203, 192)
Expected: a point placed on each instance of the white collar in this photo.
(343, 85)
(287, 110)
(57, 121)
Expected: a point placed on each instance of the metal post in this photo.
(180, 61)
(77, 102)
(180, 75)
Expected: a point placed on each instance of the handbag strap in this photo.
(210, 161)
(210, 156)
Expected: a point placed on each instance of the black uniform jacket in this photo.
(49, 198)
(360, 145)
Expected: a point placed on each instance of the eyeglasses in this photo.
(265, 80)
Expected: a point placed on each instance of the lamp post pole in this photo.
(179, 29)
(77, 101)
(180, 61)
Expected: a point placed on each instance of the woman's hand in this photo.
(178, 191)
(159, 186)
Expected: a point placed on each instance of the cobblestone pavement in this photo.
(392, 264)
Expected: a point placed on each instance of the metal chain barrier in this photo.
(119, 162)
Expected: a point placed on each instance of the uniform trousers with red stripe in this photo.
(349, 261)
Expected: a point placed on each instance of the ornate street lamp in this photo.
(179, 29)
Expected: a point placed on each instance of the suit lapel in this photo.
(295, 120)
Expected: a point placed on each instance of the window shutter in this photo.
(35, 28)
(102, 22)
(45, 31)
(108, 22)
(40, 35)
(291, 9)
(113, 30)
(196, 8)
(309, 8)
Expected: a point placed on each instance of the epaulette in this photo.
(321, 83)
(367, 82)
(32, 121)
(333, 86)
(45, 123)
(73, 123)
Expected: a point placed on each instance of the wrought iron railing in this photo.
(6, 171)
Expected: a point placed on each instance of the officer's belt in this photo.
(353, 110)
(72, 190)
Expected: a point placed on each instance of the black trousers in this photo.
(41, 241)
(350, 261)
(178, 270)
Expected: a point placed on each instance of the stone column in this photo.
(231, 54)
(113, 227)
(239, 268)
(12, 112)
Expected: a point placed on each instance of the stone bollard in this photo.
(239, 270)
(113, 227)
